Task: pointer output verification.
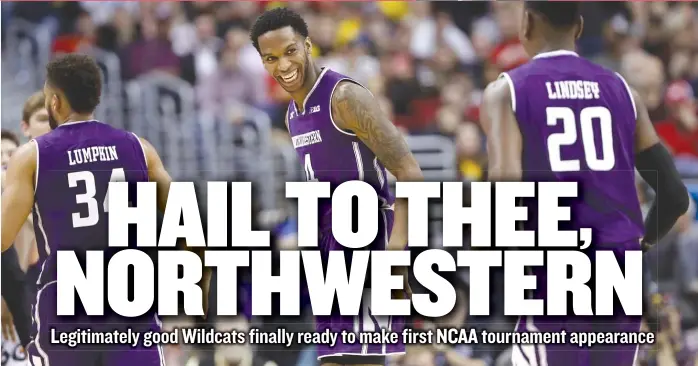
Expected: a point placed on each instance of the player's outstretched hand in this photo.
(8, 324)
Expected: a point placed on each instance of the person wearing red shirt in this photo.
(680, 130)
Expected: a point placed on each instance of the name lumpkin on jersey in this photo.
(573, 89)
(92, 154)
(310, 138)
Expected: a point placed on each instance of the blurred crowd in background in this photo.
(185, 76)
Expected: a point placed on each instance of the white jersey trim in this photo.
(75, 122)
(555, 54)
(512, 91)
(362, 354)
(37, 319)
(305, 100)
(36, 173)
(630, 94)
(330, 105)
(359, 161)
(40, 223)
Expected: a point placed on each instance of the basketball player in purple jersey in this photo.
(559, 118)
(64, 177)
(340, 134)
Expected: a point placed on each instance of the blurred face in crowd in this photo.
(286, 56)
(86, 26)
(149, 28)
(646, 74)
(468, 140)
(37, 124)
(205, 27)
(236, 38)
(229, 59)
(7, 148)
(507, 16)
(324, 31)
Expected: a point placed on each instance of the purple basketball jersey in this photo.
(75, 164)
(330, 154)
(577, 122)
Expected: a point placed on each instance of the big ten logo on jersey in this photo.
(88, 198)
(13, 354)
(588, 119)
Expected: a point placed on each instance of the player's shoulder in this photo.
(348, 89)
(25, 156)
(499, 92)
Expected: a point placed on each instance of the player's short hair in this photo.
(559, 14)
(274, 19)
(79, 78)
(33, 104)
(9, 135)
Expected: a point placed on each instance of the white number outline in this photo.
(568, 136)
(309, 172)
(88, 198)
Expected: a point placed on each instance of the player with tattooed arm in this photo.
(340, 134)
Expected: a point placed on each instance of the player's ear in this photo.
(24, 126)
(55, 103)
(526, 25)
(308, 45)
(580, 27)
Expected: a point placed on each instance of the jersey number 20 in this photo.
(88, 198)
(568, 136)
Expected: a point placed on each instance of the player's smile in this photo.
(289, 78)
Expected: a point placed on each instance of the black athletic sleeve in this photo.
(14, 292)
(656, 166)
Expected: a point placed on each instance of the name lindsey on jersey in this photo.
(92, 154)
(573, 89)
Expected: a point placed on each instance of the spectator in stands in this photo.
(207, 47)
(615, 33)
(35, 117)
(354, 60)
(233, 80)
(433, 36)
(680, 130)
(80, 39)
(153, 51)
(645, 73)
(8, 144)
(508, 53)
(469, 147)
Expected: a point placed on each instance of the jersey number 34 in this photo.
(587, 118)
(88, 198)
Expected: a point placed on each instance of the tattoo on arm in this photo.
(355, 109)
